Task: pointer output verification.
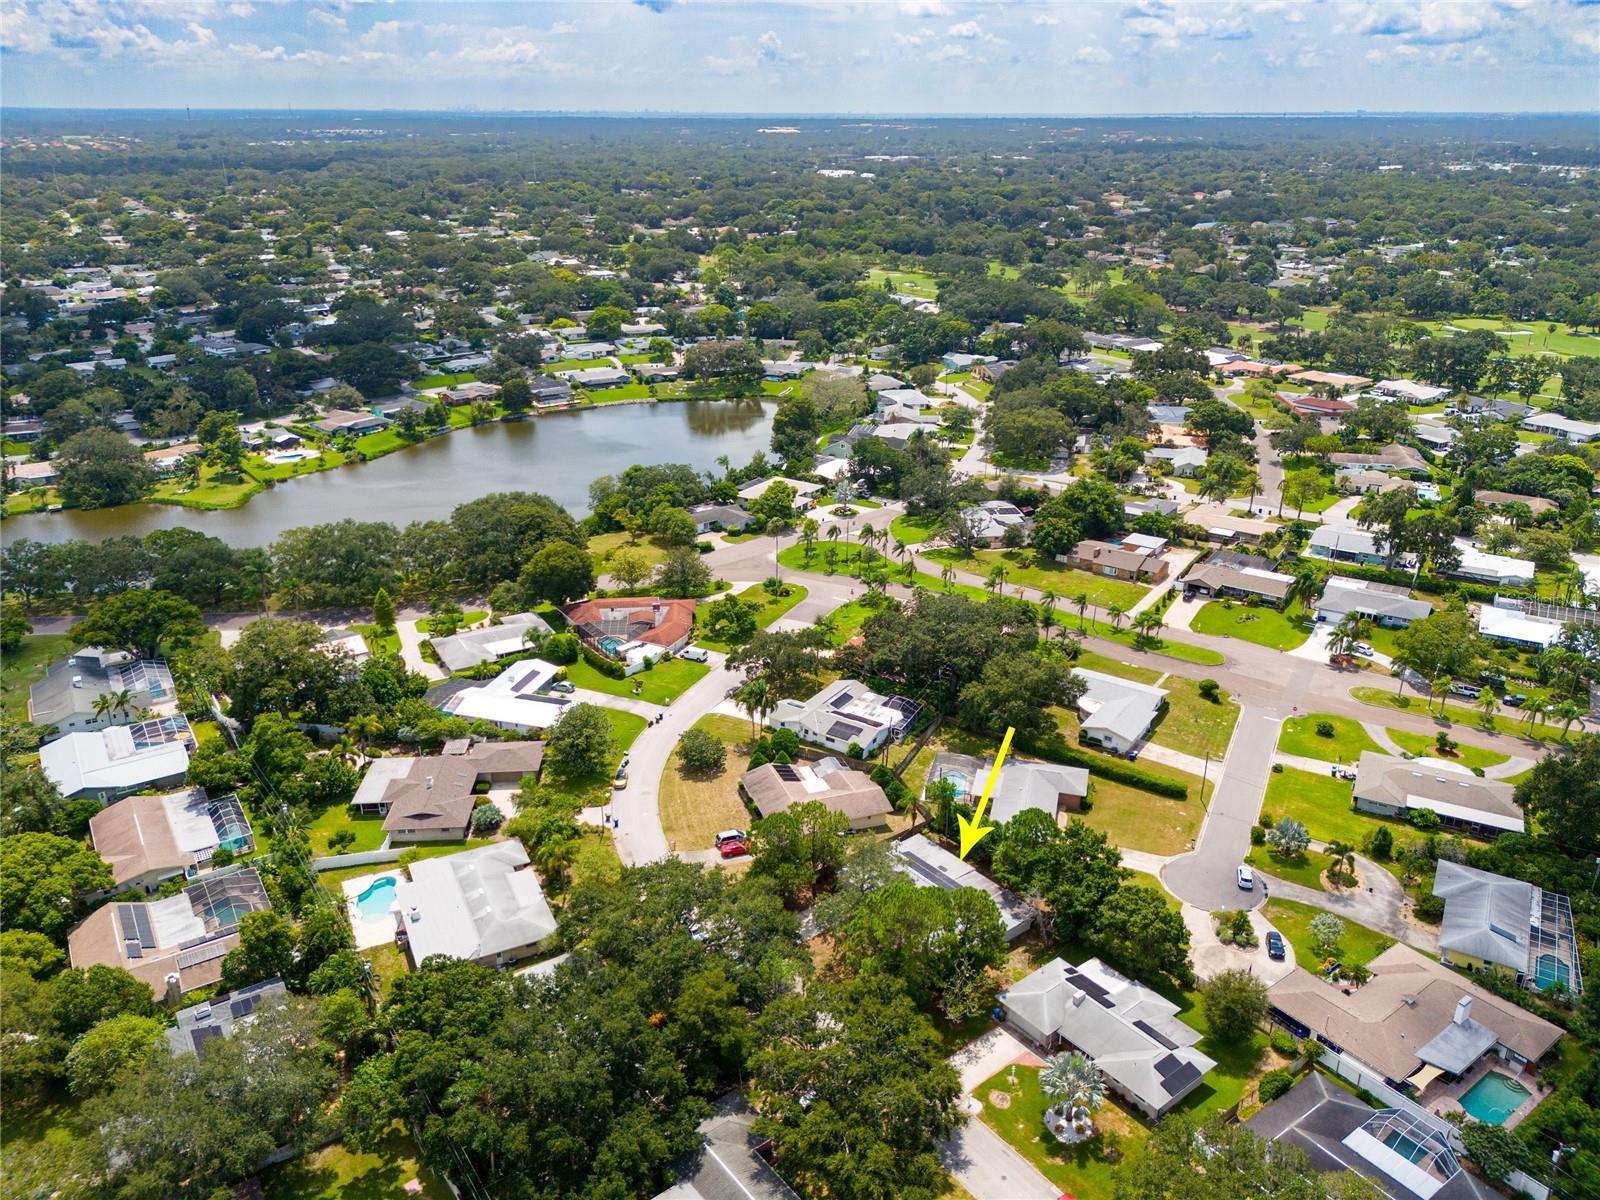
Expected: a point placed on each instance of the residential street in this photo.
(990, 1169)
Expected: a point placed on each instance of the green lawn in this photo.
(368, 830)
(1507, 721)
(660, 684)
(1357, 947)
(911, 283)
(21, 668)
(389, 962)
(327, 458)
(1306, 869)
(215, 490)
(1193, 724)
(1023, 571)
(1300, 737)
(1319, 802)
(604, 546)
(611, 395)
(1422, 745)
(912, 530)
(1262, 625)
(596, 860)
(1142, 820)
(1090, 661)
(771, 608)
(847, 620)
(338, 1173)
(625, 727)
(443, 380)
(379, 643)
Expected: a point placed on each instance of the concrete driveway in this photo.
(1211, 957)
(990, 1169)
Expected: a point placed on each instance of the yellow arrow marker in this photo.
(974, 831)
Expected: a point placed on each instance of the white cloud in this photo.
(1434, 22)
(563, 27)
(328, 20)
(924, 8)
(1091, 54)
(1045, 19)
(966, 30)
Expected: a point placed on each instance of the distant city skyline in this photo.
(819, 57)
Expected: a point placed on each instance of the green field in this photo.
(660, 684)
(1357, 947)
(1422, 745)
(1262, 625)
(1300, 737)
(368, 830)
(442, 379)
(1507, 720)
(912, 283)
(912, 530)
(1022, 571)
(214, 491)
(847, 620)
(337, 1172)
(1319, 802)
(23, 667)
(1193, 724)
(770, 608)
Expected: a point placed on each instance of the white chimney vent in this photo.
(1463, 1010)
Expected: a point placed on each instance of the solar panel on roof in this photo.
(1156, 1035)
(203, 1034)
(1181, 1080)
(1168, 1065)
(843, 729)
(787, 773)
(244, 1007)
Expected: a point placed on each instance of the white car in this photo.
(693, 654)
(1364, 650)
(1247, 879)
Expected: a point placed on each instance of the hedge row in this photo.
(601, 663)
(1114, 769)
(1423, 583)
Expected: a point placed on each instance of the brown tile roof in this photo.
(134, 836)
(436, 792)
(1217, 575)
(648, 619)
(848, 792)
(1105, 554)
(1409, 999)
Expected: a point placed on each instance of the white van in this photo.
(693, 654)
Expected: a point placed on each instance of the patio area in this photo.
(369, 899)
(1442, 1097)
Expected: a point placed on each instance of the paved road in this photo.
(990, 1169)
(1205, 877)
(1378, 904)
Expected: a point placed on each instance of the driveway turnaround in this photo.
(990, 1169)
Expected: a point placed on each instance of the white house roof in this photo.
(475, 646)
(1025, 785)
(1476, 564)
(1487, 916)
(114, 759)
(1345, 539)
(1515, 626)
(1118, 706)
(932, 866)
(474, 904)
(515, 697)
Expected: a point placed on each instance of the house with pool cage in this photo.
(175, 944)
(147, 840)
(632, 631)
(1492, 923)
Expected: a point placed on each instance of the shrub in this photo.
(1429, 908)
(1211, 690)
(1326, 930)
(1258, 836)
(1283, 1042)
(1274, 1084)
(701, 753)
(1325, 729)
(336, 843)
(1277, 768)
(601, 663)
(1425, 819)
(1380, 844)
(486, 819)
(561, 648)
(1289, 837)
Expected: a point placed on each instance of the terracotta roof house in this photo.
(776, 787)
(1136, 563)
(1412, 1012)
(431, 799)
(633, 630)
(173, 945)
(1397, 787)
(1133, 1034)
(146, 840)
(1535, 504)
(1307, 405)
(1333, 379)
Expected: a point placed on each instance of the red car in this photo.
(733, 848)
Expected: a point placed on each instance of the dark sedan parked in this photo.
(1275, 949)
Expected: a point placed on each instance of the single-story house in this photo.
(1388, 604)
(1393, 458)
(846, 713)
(776, 787)
(1397, 787)
(147, 840)
(879, 382)
(176, 944)
(1140, 564)
(903, 397)
(1491, 921)
(550, 392)
(25, 475)
(990, 519)
(510, 635)
(1158, 507)
(775, 371)
(633, 630)
(1497, 570)
(1339, 1132)
(1229, 576)
(1505, 621)
(1561, 427)
(933, 866)
(990, 372)
(1333, 379)
(1412, 1014)
(483, 905)
(1224, 526)
(340, 420)
(22, 430)
(596, 377)
(1304, 404)
(654, 372)
(730, 1164)
(1183, 461)
(351, 642)
(517, 699)
(1133, 1034)
(588, 351)
(169, 458)
(1436, 437)
(1347, 544)
(1410, 391)
(1022, 785)
(466, 393)
(1258, 370)
(218, 1017)
(955, 361)
(430, 799)
(804, 493)
(1366, 482)
(1537, 505)
(1483, 406)
(105, 764)
(719, 516)
(85, 691)
(1116, 713)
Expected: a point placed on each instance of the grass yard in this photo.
(215, 490)
(613, 395)
(368, 830)
(1507, 720)
(911, 283)
(1306, 870)
(695, 807)
(1300, 737)
(847, 620)
(338, 1173)
(1090, 661)
(384, 643)
(1322, 804)
(1066, 583)
(1089, 1169)
(660, 684)
(389, 962)
(1423, 746)
(912, 530)
(1142, 820)
(1357, 947)
(771, 608)
(1192, 723)
(325, 458)
(30, 500)
(603, 546)
(1262, 625)
(596, 860)
(23, 667)
(443, 380)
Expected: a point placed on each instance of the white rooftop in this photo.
(513, 699)
(108, 759)
(475, 904)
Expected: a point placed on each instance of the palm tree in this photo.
(1441, 687)
(1048, 600)
(120, 701)
(808, 535)
(903, 553)
(1567, 712)
(363, 727)
(1081, 600)
(997, 578)
(947, 575)
(1047, 617)
(294, 594)
(1149, 623)
(1116, 612)
(1535, 710)
(1486, 708)
(1344, 858)
(103, 704)
(1074, 1080)
(755, 697)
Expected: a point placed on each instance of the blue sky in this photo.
(903, 56)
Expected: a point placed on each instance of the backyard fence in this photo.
(357, 858)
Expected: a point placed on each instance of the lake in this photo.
(556, 453)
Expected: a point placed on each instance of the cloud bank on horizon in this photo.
(803, 56)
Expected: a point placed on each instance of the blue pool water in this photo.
(611, 644)
(1494, 1098)
(1551, 969)
(375, 902)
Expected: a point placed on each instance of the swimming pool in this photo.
(374, 903)
(1494, 1098)
(610, 645)
(1549, 969)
